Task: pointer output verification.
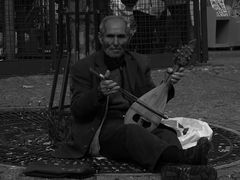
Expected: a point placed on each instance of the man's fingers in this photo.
(112, 85)
(109, 87)
(179, 74)
(181, 69)
(177, 77)
(115, 88)
(109, 91)
(108, 84)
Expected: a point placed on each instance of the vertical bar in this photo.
(87, 27)
(197, 30)
(66, 69)
(204, 41)
(96, 12)
(77, 30)
(43, 44)
(52, 29)
(60, 26)
(9, 36)
(53, 50)
(71, 8)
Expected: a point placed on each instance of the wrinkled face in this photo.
(115, 38)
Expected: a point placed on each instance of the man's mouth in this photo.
(116, 50)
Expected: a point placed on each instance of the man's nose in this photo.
(115, 40)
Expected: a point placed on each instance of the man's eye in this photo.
(110, 36)
(121, 36)
(118, 36)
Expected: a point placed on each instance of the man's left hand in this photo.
(175, 76)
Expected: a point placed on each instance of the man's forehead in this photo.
(115, 24)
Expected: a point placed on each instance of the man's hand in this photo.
(176, 76)
(107, 86)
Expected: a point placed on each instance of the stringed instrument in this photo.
(150, 114)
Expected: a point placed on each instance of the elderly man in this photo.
(99, 107)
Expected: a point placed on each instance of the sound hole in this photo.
(136, 117)
(140, 120)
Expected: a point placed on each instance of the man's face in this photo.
(115, 38)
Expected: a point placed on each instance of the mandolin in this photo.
(150, 114)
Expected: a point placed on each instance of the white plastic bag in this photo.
(189, 130)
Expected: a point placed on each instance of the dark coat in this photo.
(88, 105)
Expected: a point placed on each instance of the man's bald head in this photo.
(113, 19)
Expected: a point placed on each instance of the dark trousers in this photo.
(134, 143)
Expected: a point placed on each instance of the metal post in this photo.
(9, 29)
(77, 30)
(53, 50)
(61, 35)
(96, 12)
(71, 10)
(42, 40)
(67, 67)
(204, 42)
(197, 30)
(87, 27)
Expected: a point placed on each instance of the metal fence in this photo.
(37, 29)
(24, 29)
(157, 25)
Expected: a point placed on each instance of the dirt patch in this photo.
(30, 91)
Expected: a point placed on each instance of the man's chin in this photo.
(114, 55)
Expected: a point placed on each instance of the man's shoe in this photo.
(197, 155)
(188, 172)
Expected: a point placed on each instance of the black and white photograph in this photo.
(120, 89)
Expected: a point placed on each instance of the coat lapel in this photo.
(99, 65)
(131, 69)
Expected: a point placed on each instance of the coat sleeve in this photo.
(86, 98)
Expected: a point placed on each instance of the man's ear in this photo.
(130, 37)
(100, 37)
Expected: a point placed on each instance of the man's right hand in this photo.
(108, 86)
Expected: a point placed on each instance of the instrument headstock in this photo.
(184, 54)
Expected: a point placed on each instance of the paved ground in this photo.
(209, 92)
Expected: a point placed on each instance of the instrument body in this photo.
(156, 99)
(138, 114)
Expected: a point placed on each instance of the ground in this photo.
(209, 92)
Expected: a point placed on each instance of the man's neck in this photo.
(113, 62)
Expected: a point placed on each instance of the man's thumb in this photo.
(107, 74)
(169, 70)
